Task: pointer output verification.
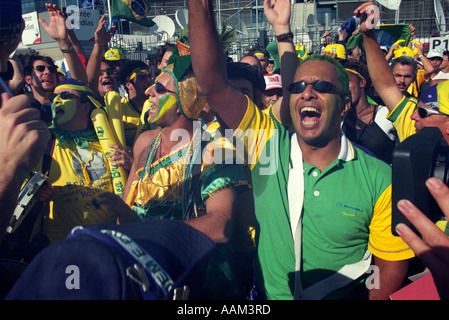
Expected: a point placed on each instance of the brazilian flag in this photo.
(386, 35)
(132, 10)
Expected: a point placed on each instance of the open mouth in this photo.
(310, 115)
(46, 81)
(153, 108)
(59, 112)
(107, 83)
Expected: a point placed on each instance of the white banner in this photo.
(85, 27)
(439, 43)
(31, 33)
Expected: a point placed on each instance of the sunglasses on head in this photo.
(319, 86)
(41, 68)
(425, 112)
(65, 95)
(161, 89)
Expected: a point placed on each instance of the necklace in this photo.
(357, 113)
(84, 166)
(177, 186)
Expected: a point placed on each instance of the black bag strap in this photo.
(46, 162)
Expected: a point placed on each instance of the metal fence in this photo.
(419, 13)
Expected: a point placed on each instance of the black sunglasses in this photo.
(65, 95)
(41, 68)
(425, 112)
(319, 86)
(161, 89)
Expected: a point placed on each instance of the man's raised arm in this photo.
(209, 65)
(378, 68)
(278, 15)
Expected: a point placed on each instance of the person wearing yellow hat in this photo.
(116, 57)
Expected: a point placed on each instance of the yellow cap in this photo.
(403, 51)
(114, 54)
(339, 49)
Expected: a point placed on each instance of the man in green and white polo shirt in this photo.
(323, 206)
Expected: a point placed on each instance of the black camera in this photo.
(419, 157)
(45, 109)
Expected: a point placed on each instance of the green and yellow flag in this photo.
(132, 10)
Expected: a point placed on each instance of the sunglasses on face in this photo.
(425, 112)
(64, 96)
(161, 89)
(320, 86)
(108, 71)
(52, 69)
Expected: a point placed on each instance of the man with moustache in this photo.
(407, 114)
(315, 238)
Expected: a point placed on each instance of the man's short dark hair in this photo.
(241, 70)
(342, 74)
(405, 61)
(28, 69)
(162, 50)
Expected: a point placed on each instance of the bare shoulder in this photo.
(142, 145)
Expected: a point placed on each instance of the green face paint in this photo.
(67, 106)
(166, 101)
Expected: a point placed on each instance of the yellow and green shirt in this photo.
(346, 210)
(77, 175)
(400, 116)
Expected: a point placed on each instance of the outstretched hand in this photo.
(102, 36)
(433, 248)
(369, 16)
(278, 12)
(57, 28)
